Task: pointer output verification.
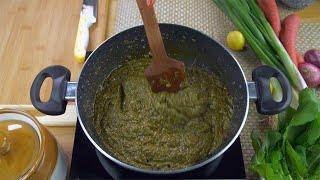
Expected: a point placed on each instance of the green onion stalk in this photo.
(252, 23)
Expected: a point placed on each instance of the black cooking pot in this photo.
(182, 43)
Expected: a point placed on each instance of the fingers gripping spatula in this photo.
(164, 73)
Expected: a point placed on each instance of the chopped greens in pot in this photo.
(161, 130)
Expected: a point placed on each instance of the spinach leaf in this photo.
(306, 96)
(275, 159)
(292, 151)
(256, 141)
(259, 157)
(313, 156)
(308, 108)
(265, 170)
(284, 165)
(284, 118)
(305, 114)
(276, 155)
(314, 174)
(293, 132)
(295, 160)
(272, 138)
(301, 150)
(311, 134)
(296, 176)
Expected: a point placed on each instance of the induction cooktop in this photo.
(86, 165)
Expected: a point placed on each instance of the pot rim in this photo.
(175, 171)
(41, 137)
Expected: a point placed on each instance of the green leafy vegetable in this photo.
(292, 132)
(315, 174)
(292, 151)
(311, 134)
(307, 95)
(284, 119)
(305, 113)
(295, 161)
(256, 142)
(272, 138)
(301, 150)
(313, 156)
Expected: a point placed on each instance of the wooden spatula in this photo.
(164, 73)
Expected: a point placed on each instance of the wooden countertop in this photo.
(36, 34)
(65, 135)
(31, 41)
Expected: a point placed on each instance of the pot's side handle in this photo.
(71, 91)
(264, 101)
(57, 102)
(252, 91)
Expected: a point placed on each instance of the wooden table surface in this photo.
(31, 41)
(38, 33)
(65, 135)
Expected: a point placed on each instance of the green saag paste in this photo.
(161, 130)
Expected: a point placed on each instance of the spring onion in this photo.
(252, 23)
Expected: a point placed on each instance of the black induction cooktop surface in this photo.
(86, 165)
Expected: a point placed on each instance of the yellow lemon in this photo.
(235, 40)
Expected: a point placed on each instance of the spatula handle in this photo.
(152, 30)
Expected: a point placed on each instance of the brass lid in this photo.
(19, 145)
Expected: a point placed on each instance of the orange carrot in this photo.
(150, 2)
(300, 59)
(270, 10)
(288, 35)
